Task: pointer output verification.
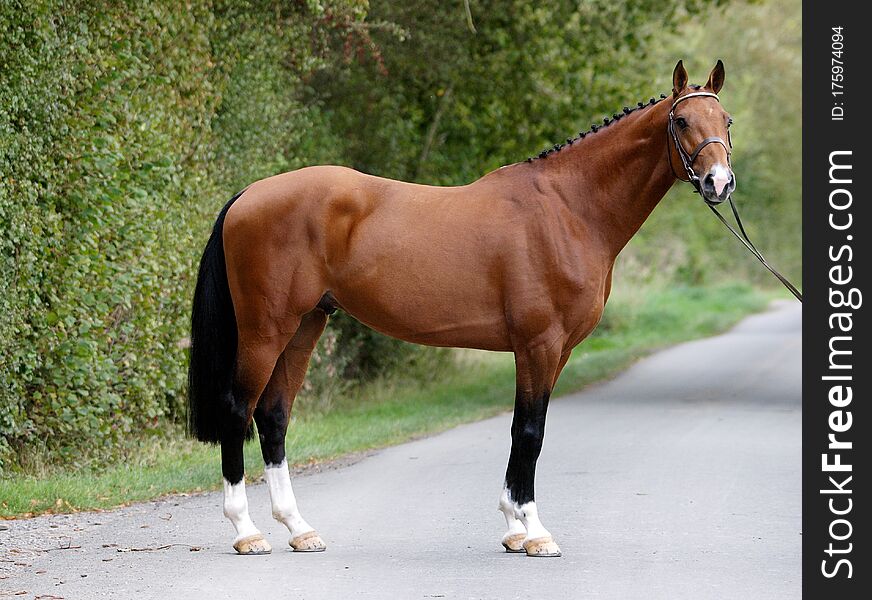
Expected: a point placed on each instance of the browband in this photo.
(694, 95)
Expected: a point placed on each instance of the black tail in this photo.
(213, 339)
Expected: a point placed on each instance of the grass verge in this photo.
(392, 411)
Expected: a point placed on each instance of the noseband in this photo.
(687, 159)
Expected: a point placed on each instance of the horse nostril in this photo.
(708, 182)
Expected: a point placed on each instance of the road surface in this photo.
(680, 478)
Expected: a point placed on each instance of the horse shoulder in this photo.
(578, 270)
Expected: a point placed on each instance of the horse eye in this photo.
(681, 122)
(729, 122)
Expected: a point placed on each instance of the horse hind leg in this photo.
(255, 362)
(272, 415)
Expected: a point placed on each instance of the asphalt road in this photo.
(678, 479)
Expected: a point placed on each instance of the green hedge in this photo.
(123, 129)
(125, 126)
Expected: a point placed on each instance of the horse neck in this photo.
(614, 178)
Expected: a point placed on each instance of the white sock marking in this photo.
(507, 507)
(284, 504)
(529, 516)
(236, 509)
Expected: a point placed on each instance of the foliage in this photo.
(125, 126)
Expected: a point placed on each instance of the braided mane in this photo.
(596, 127)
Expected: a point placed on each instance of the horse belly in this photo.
(427, 291)
(422, 315)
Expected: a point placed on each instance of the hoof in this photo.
(308, 542)
(253, 545)
(542, 547)
(514, 542)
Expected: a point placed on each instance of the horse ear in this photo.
(716, 79)
(679, 78)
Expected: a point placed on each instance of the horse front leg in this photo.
(537, 369)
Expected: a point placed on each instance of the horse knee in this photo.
(528, 439)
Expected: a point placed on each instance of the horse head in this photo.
(699, 131)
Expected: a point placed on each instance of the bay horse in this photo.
(518, 261)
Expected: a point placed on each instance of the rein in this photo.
(687, 160)
(752, 248)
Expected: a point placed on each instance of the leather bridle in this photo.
(687, 160)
